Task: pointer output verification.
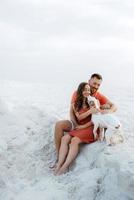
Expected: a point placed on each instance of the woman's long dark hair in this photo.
(79, 99)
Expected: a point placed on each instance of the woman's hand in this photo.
(79, 127)
(94, 110)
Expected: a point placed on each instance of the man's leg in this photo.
(101, 134)
(108, 134)
(95, 131)
(61, 127)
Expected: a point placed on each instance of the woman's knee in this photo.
(63, 125)
(66, 139)
(75, 141)
(58, 124)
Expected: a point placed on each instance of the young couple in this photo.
(80, 127)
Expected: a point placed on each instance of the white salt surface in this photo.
(28, 113)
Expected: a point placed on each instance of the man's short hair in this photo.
(98, 76)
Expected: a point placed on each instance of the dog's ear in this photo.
(90, 98)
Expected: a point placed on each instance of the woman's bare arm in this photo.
(72, 115)
(85, 114)
(84, 125)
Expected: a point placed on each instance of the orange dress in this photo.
(86, 134)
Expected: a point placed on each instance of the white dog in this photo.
(108, 121)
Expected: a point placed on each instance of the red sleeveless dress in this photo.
(86, 134)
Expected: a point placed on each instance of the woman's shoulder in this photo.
(74, 97)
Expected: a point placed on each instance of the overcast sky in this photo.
(58, 40)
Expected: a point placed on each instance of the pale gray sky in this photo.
(56, 41)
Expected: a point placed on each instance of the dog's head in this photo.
(92, 101)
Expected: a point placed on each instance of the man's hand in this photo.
(105, 111)
(105, 106)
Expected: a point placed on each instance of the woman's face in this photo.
(86, 91)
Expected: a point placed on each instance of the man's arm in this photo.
(112, 108)
(105, 101)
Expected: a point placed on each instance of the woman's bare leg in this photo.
(63, 151)
(60, 127)
(73, 151)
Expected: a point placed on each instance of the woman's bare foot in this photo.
(58, 166)
(62, 170)
(53, 164)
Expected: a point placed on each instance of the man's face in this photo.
(94, 84)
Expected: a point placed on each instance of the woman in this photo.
(83, 133)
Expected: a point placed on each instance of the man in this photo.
(67, 125)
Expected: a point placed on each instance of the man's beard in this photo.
(93, 90)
